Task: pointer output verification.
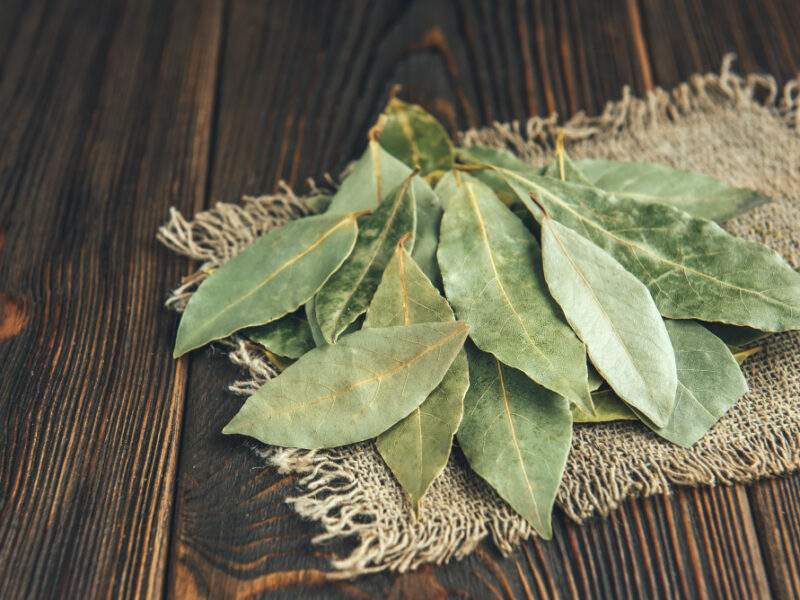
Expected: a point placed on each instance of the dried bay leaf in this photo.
(478, 156)
(281, 363)
(426, 238)
(290, 336)
(607, 407)
(486, 155)
(693, 268)
(491, 268)
(695, 193)
(375, 175)
(313, 325)
(614, 315)
(516, 435)
(413, 135)
(351, 391)
(318, 203)
(348, 292)
(311, 316)
(595, 379)
(742, 354)
(562, 167)
(736, 336)
(709, 382)
(272, 277)
(416, 449)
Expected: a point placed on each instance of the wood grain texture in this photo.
(106, 111)
(470, 63)
(114, 478)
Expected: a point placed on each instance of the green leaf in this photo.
(516, 435)
(352, 391)
(313, 325)
(562, 167)
(476, 156)
(272, 277)
(417, 448)
(486, 155)
(736, 336)
(348, 292)
(414, 136)
(693, 268)
(289, 336)
(595, 379)
(614, 315)
(318, 203)
(607, 407)
(376, 175)
(709, 383)
(697, 194)
(426, 238)
(281, 363)
(491, 267)
(741, 355)
(311, 316)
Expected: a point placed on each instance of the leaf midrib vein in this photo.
(378, 377)
(514, 440)
(597, 301)
(500, 285)
(282, 268)
(381, 239)
(625, 242)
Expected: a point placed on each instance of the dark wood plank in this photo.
(776, 509)
(106, 110)
(301, 83)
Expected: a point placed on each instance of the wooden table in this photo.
(114, 478)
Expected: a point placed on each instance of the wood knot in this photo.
(12, 316)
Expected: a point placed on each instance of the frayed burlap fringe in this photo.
(742, 130)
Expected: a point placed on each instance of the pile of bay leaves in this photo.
(446, 292)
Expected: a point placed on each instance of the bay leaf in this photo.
(413, 135)
(272, 277)
(281, 363)
(351, 391)
(562, 167)
(709, 383)
(693, 268)
(374, 176)
(516, 435)
(695, 193)
(289, 336)
(607, 407)
(313, 325)
(614, 315)
(479, 156)
(736, 336)
(426, 238)
(491, 268)
(416, 448)
(318, 203)
(742, 354)
(595, 379)
(348, 292)
(486, 155)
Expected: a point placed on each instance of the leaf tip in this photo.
(401, 242)
(181, 347)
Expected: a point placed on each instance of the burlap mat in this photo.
(741, 130)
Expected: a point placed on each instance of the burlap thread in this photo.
(739, 129)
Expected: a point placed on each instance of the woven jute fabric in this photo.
(742, 130)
